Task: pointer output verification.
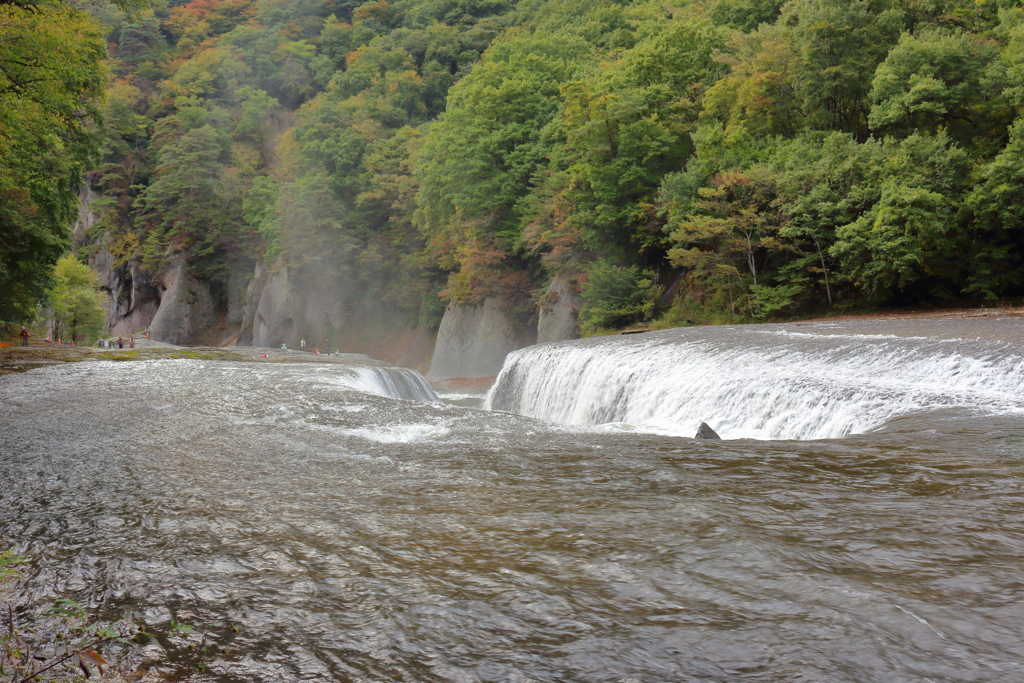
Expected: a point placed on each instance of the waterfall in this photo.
(393, 382)
(812, 381)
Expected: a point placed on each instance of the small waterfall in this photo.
(757, 381)
(393, 382)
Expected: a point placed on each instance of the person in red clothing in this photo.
(25, 334)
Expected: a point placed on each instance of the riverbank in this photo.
(915, 313)
(21, 359)
(868, 315)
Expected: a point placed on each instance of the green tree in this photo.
(620, 131)
(936, 79)
(733, 239)
(745, 15)
(394, 267)
(909, 235)
(183, 208)
(614, 296)
(257, 107)
(736, 218)
(890, 247)
(818, 182)
(811, 69)
(759, 94)
(1011, 31)
(479, 157)
(76, 301)
(51, 79)
(839, 43)
(994, 212)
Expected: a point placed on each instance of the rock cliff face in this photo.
(311, 303)
(284, 305)
(558, 313)
(273, 323)
(87, 218)
(187, 313)
(474, 340)
(236, 297)
(258, 304)
(267, 305)
(250, 302)
(132, 299)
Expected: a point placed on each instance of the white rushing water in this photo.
(392, 382)
(759, 382)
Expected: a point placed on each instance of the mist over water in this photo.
(355, 536)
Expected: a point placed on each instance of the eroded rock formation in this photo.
(273, 323)
(283, 305)
(558, 313)
(133, 299)
(187, 313)
(270, 304)
(474, 340)
(250, 302)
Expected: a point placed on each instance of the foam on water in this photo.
(400, 433)
(755, 381)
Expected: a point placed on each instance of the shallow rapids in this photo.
(355, 537)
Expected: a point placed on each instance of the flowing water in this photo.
(799, 381)
(352, 528)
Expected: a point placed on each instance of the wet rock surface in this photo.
(706, 432)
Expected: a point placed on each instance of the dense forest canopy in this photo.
(762, 156)
(50, 81)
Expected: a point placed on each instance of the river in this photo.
(863, 520)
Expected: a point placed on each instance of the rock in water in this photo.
(705, 432)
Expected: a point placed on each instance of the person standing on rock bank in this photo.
(131, 343)
(120, 342)
(25, 334)
(302, 343)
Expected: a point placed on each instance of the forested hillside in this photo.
(751, 157)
